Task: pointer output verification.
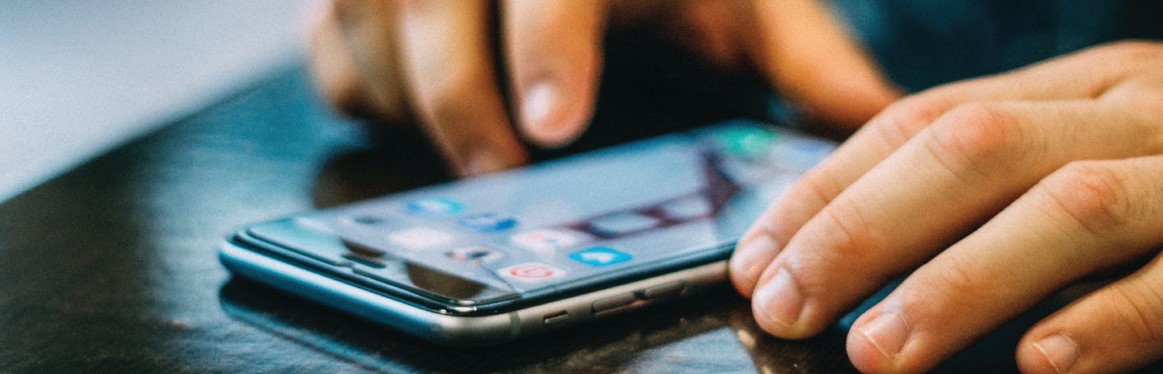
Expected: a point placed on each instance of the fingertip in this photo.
(550, 118)
(863, 353)
(752, 255)
(878, 339)
(555, 60)
(1055, 353)
(1031, 359)
(778, 304)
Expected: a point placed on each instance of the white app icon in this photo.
(546, 241)
(421, 238)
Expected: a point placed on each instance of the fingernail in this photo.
(1059, 350)
(482, 161)
(888, 332)
(536, 106)
(753, 255)
(780, 300)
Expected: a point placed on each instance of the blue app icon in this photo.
(434, 205)
(488, 222)
(600, 256)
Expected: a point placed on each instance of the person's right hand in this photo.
(987, 196)
(431, 63)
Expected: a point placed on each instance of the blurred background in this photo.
(78, 77)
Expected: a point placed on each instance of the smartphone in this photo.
(492, 259)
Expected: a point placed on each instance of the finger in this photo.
(964, 168)
(1060, 79)
(761, 243)
(353, 62)
(554, 53)
(1086, 217)
(808, 55)
(449, 67)
(333, 70)
(1115, 329)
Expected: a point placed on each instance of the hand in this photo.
(432, 63)
(998, 192)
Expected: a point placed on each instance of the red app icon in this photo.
(531, 271)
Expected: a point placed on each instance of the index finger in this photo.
(449, 65)
(554, 50)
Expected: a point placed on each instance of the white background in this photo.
(78, 77)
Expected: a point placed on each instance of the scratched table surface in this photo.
(111, 267)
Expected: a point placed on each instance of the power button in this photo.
(610, 304)
(663, 291)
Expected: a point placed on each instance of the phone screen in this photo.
(563, 224)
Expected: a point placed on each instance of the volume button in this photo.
(663, 291)
(555, 317)
(611, 303)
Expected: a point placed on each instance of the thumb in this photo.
(805, 52)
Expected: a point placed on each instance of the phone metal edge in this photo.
(454, 330)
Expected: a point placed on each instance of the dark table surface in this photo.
(112, 266)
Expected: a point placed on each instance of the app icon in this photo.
(488, 222)
(686, 208)
(546, 241)
(475, 255)
(600, 256)
(622, 223)
(421, 238)
(747, 142)
(531, 272)
(434, 205)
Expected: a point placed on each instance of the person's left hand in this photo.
(998, 192)
(441, 66)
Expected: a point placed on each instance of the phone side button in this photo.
(663, 291)
(555, 317)
(611, 303)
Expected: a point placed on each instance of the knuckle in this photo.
(904, 119)
(1148, 101)
(958, 285)
(812, 189)
(973, 139)
(1094, 195)
(843, 244)
(962, 282)
(1141, 313)
(1136, 50)
(851, 237)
